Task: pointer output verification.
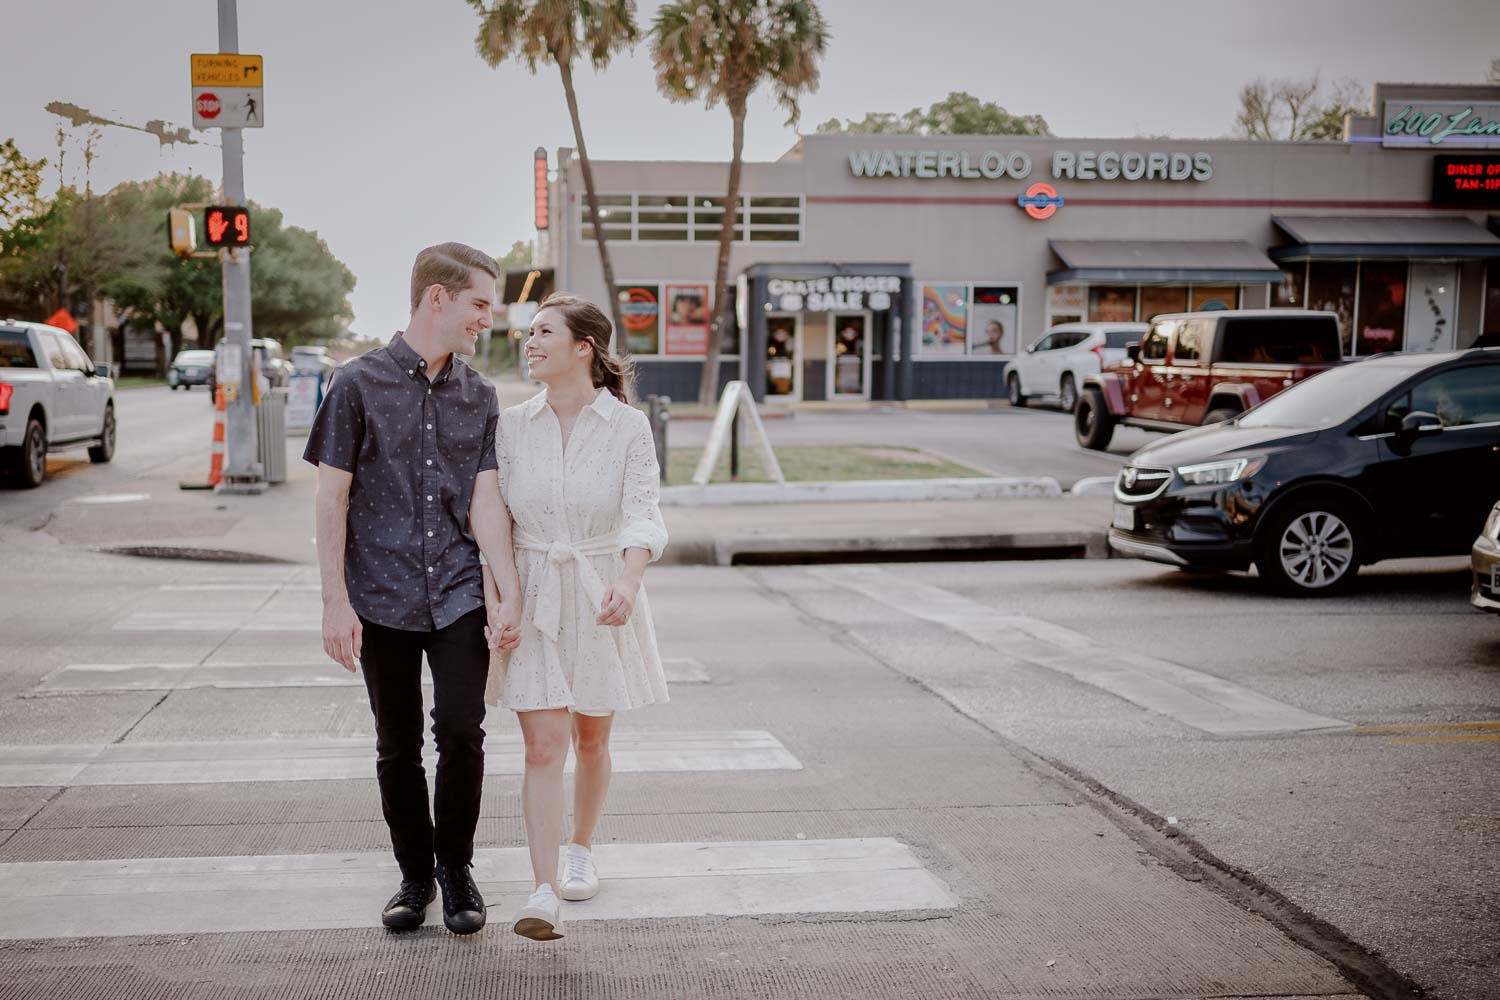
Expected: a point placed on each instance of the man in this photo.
(407, 499)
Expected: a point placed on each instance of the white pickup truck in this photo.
(51, 397)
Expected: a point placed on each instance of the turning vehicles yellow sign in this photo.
(227, 69)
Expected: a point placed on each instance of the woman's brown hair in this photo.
(588, 323)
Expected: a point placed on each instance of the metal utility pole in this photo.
(242, 469)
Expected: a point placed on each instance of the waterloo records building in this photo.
(909, 267)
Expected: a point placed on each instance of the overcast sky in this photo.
(385, 133)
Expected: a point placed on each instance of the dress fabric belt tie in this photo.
(547, 616)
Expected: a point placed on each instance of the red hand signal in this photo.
(217, 224)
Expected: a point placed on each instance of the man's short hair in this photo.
(449, 265)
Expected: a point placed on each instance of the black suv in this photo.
(1396, 455)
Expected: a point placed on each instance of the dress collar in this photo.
(605, 405)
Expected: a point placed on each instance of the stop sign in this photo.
(208, 105)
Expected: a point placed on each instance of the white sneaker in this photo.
(580, 880)
(541, 918)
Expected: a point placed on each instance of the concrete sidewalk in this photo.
(278, 525)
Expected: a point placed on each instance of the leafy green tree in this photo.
(957, 114)
(537, 32)
(1297, 110)
(719, 52)
(518, 258)
(20, 187)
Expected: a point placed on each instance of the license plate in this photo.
(1124, 518)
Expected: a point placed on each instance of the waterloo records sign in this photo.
(228, 90)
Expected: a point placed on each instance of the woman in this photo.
(579, 476)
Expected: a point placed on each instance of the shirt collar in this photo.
(411, 362)
(605, 405)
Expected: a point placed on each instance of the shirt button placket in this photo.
(430, 487)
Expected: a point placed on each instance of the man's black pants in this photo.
(392, 663)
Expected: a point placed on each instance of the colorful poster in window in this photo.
(1067, 304)
(1430, 303)
(945, 313)
(640, 314)
(1382, 306)
(1112, 304)
(1215, 297)
(1158, 299)
(687, 320)
(1330, 288)
(992, 321)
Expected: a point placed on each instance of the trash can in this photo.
(270, 435)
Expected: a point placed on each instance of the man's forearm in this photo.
(490, 522)
(333, 526)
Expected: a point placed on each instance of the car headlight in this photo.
(1492, 526)
(1228, 470)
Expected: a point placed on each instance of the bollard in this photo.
(657, 410)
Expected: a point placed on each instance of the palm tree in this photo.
(559, 31)
(719, 51)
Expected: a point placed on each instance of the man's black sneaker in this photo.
(463, 907)
(408, 907)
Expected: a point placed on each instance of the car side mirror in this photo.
(1420, 422)
(1133, 350)
(104, 370)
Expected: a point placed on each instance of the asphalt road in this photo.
(1034, 441)
(156, 427)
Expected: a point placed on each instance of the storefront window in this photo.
(1156, 300)
(1214, 297)
(945, 319)
(993, 320)
(693, 218)
(687, 319)
(1382, 307)
(1112, 304)
(1330, 288)
(1492, 297)
(1067, 304)
(640, 314)
(1287, 293)
(980, 321)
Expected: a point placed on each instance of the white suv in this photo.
(1054, 367)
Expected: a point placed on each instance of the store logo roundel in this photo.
(638, 309)
(1041, 200)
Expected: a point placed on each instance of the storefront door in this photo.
(783, 356)
(848, 356)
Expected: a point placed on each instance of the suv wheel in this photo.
(1093, 424)
(1013, 390)
(1067, 394)
(1309, 549)
(105, 449)
(27, 464)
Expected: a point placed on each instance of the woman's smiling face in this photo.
(551, 350)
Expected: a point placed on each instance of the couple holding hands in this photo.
(509, 547)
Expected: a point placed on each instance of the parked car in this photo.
(1396, 455)
(191, 368)
(51, 397)
(1484, 560)
(314, 360)
(1205, 367)
(272, 360)
(1055, 366)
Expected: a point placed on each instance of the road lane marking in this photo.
(1417, 727)
(256, 588)
(221, 621)
(346, 758)
(76, 678)
(74, 899)
(1192, 697)
(1450, 738)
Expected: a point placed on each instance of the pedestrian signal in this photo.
(181, 233)
(227, 226)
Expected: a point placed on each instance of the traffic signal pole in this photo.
(242, 469)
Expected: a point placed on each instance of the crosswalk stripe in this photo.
(343, 758)
(221, 621)
(1193, 697)
(70, 899)
(93, 677)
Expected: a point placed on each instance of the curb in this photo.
(743, 550)
(858, 491)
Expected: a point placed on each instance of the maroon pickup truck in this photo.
(1204, 367)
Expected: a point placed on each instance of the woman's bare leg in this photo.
(546, 735)
(591, 775)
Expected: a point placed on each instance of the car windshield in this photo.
(1121, 338)
(1326, 399)
(195, 357)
